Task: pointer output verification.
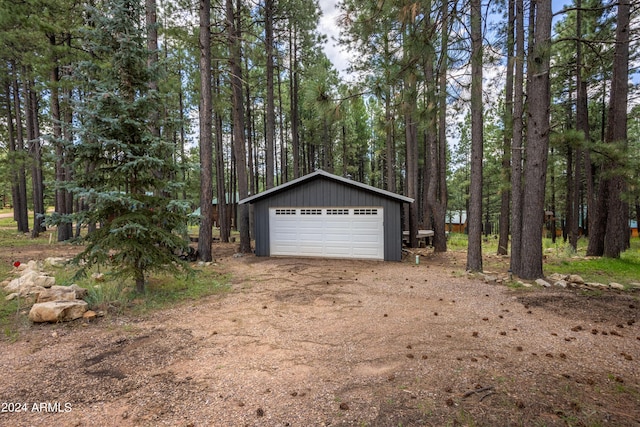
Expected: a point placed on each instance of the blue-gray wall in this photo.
(322, 192)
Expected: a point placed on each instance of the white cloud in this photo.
(328, 26)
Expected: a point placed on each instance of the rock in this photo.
(81, 293)
(56, 261)
(11, 296)
(574, 278)
(57, 311)
(57, 293)
(44, 281)
(597, 285)
(24, 281)
(558, 276)
(614, 285)
(542, 282)
(62, 293)
(89, 315)
(487, 277)
(561, 283)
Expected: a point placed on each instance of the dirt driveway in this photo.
(307, 342)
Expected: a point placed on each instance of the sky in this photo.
(328, 26)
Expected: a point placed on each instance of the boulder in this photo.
(556, 277)
(89, 315)
(44, 281)
(56, 261)
(542, 282)
(57, 293)
(57, 311)
(561, 283)
(614, 285)
(22, 282)
(597, 285)
(574, 278)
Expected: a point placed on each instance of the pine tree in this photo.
(139, 227)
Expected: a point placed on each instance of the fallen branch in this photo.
(476, 391)
(487, 395)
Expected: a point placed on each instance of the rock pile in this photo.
(562, 281)
(575, 281)
(51, 303)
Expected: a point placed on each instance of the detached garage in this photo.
(324, 215)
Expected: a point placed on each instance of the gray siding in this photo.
(321, 192)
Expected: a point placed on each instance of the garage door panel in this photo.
(328, 232)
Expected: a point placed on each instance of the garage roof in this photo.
(327, 175)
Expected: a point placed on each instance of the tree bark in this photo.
(65, 229)
(582, 124)
(412, 161)
(205, 235)
(474, 214)
(224, 217)
(538, 129)
(239, 145)
(616, 238)
(437, 189)
(609, 229)
(505, 199)
(20, 204)
(294, 89)
(270, 113)
(35, 151)
(516, 146)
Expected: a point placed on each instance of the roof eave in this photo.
(320, 172)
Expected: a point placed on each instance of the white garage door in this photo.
(327, 232)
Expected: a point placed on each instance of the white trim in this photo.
(328, 175)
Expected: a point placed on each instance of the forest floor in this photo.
(316, 342)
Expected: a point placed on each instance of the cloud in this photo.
(328, 26)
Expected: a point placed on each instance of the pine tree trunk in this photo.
(516, 147)
(294, 90)
(205, 236)
(582, 124)
(13, 173)
(65, 230)
(505, 199)
(239, 145)
(224, 217)
(20, 203)
(474, 214)
(35, 152)
(617, 230)
(538, 129)
(412, 163)
(608, 225)
(270, 113)
(390, 159)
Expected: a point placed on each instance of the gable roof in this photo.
(322, 174)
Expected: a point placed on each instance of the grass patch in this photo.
(161, 291)
(623, 270)
(9, 319)
(118, 297)
(560, 257)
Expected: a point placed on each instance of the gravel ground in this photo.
(310, 342)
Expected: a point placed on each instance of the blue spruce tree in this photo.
(123, 167)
